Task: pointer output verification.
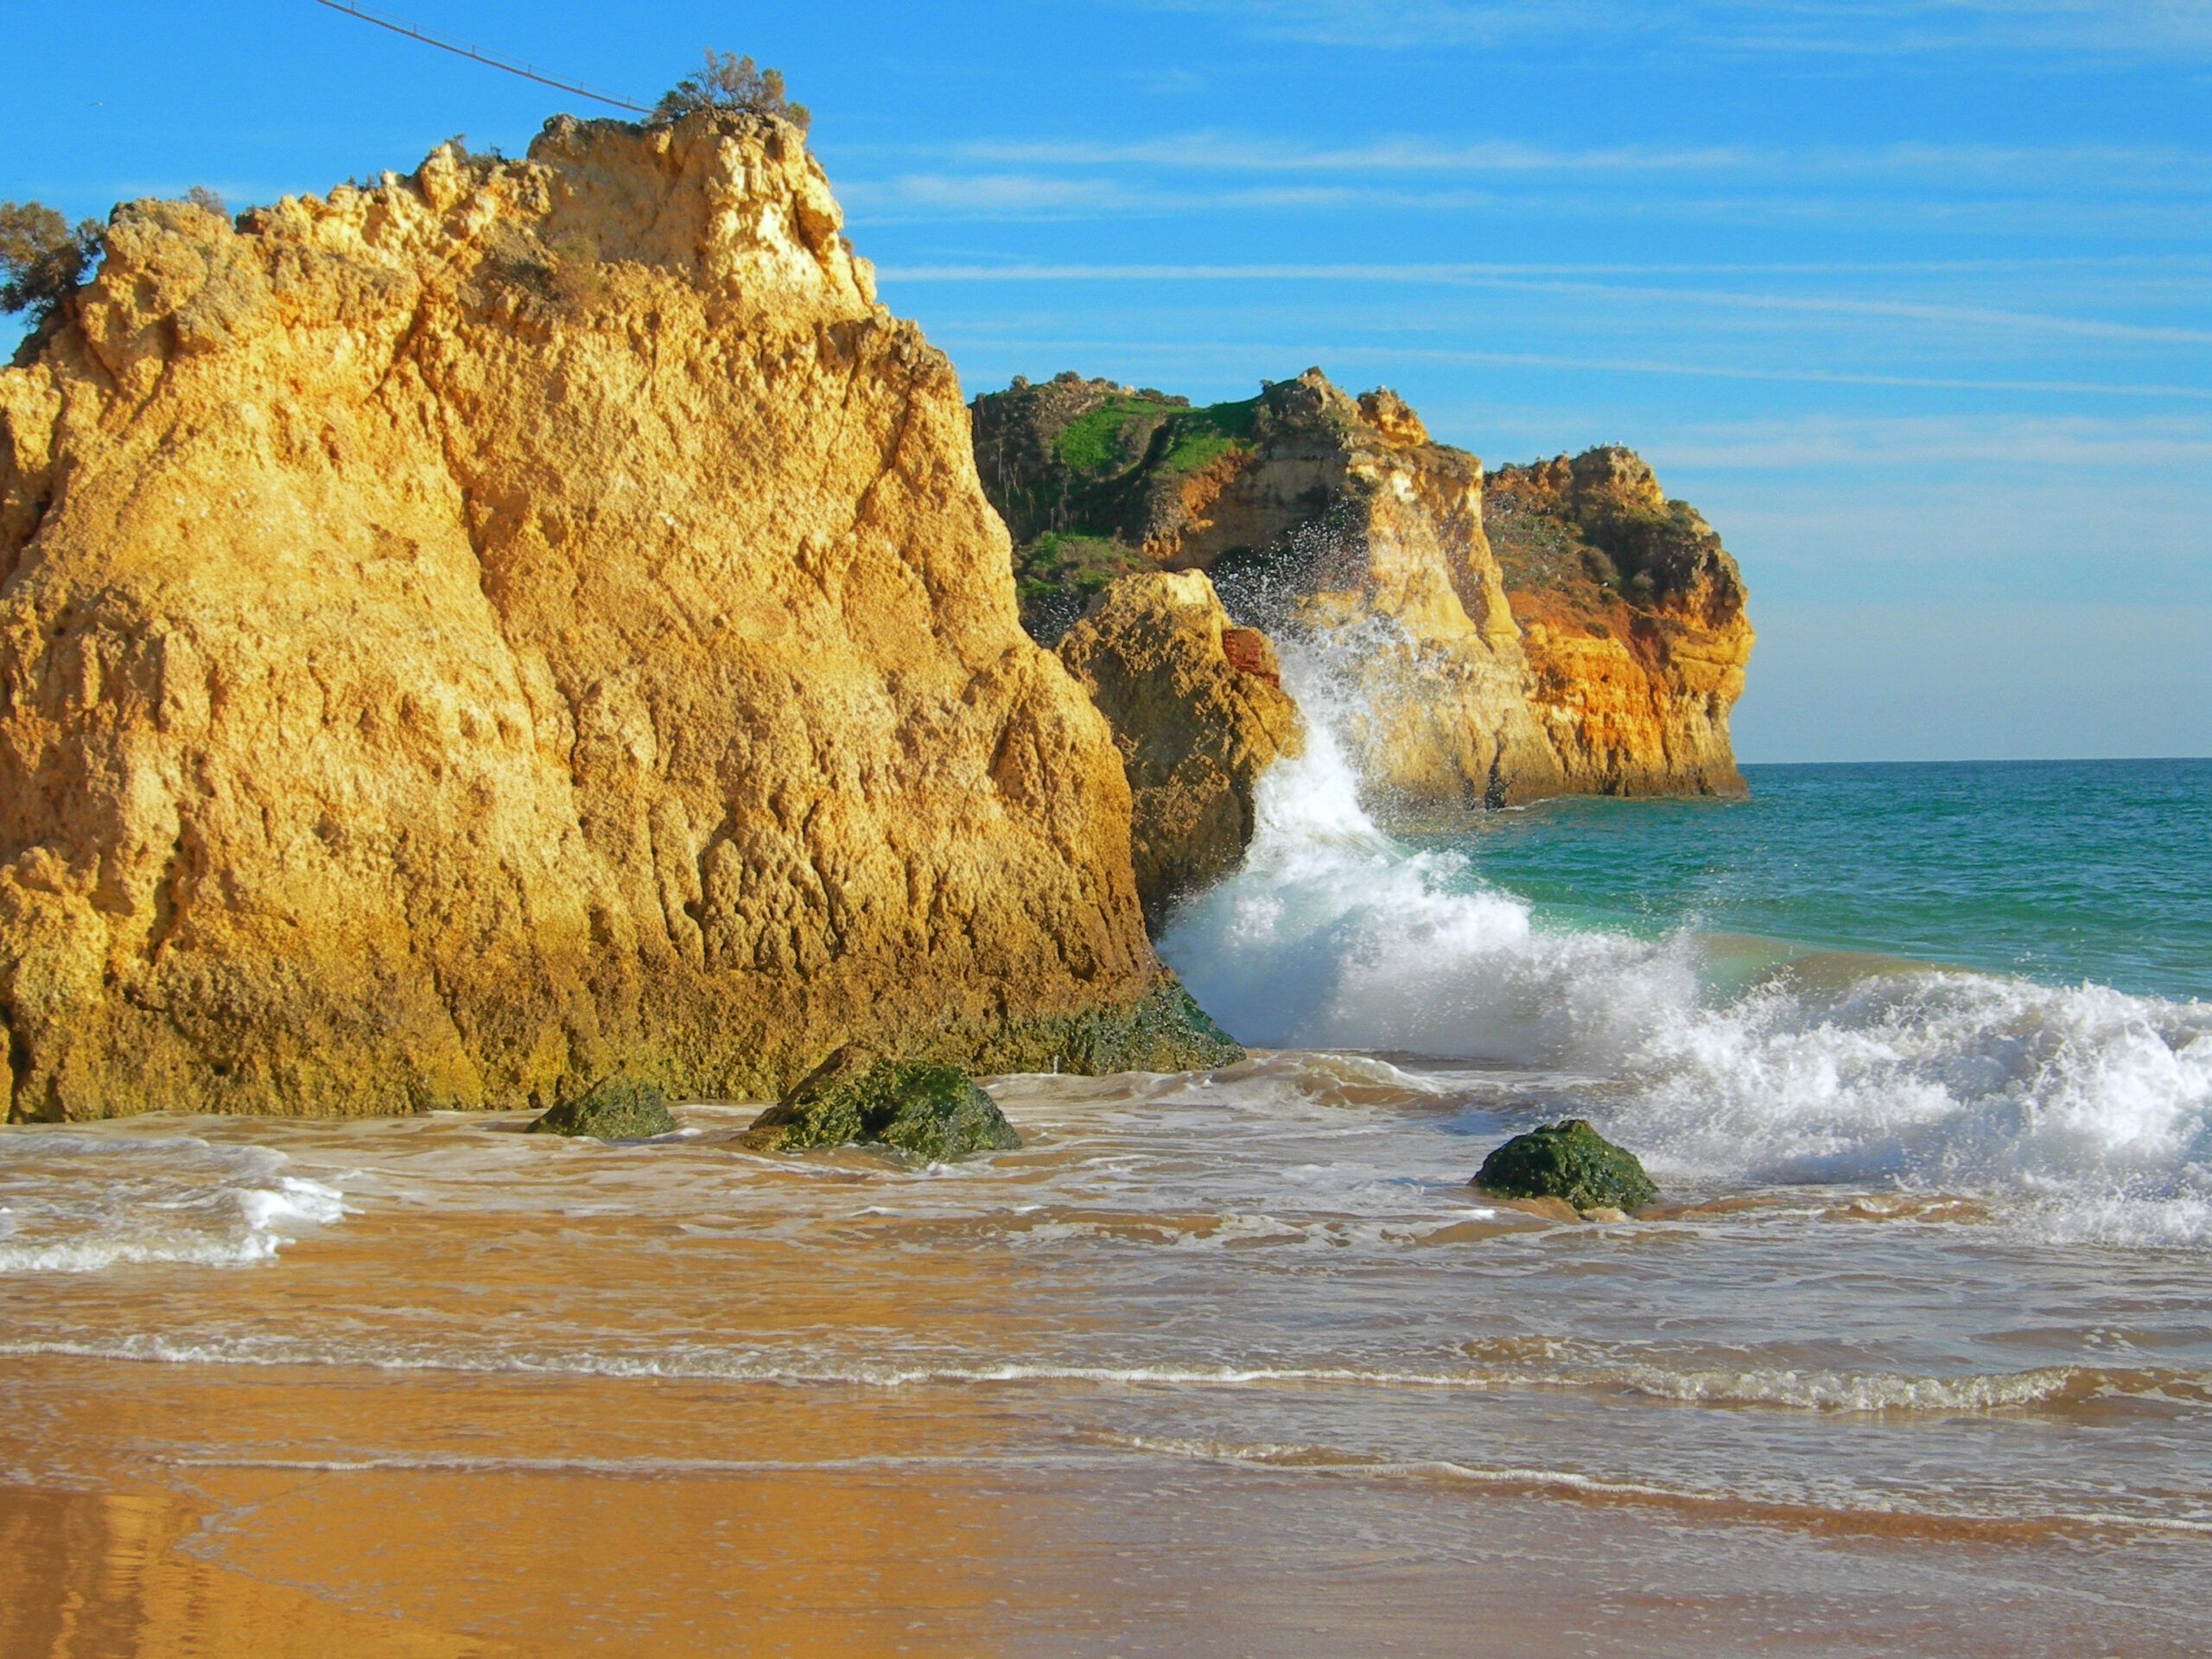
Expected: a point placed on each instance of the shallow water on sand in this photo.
(1216, 1364)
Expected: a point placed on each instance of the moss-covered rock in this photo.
(615, 1109)
(927, 1111)
(1163, 1031)
(1568, 1161)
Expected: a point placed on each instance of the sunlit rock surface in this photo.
(471, 635)
(1557, 628)
(1198, 712)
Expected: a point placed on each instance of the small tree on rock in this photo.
(41, 259)
(731, 83)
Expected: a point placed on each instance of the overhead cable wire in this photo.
(489, 59)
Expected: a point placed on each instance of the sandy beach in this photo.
(674, 1399)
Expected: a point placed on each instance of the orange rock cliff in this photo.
(469, 635)
(1556, 628)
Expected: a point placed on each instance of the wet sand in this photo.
(569, 1515)
(1212, 1367)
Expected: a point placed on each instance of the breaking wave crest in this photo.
(77, 1201)
(2091, 1106)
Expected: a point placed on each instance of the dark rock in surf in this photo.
(614, 1109)
(926, 1111)
(1163, 1031)
(1570, 1162)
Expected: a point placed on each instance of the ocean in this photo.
(1987, 976)
(1914, 1356)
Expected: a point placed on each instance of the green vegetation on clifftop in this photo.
(1079, 470)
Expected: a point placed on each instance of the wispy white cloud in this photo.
(1827, 29)
(1169, 81)
(984, 196)
(2090, 189)
(987, 195)
(2184, 271)
(2157, 444)
(2127, 168)
(1062, 348)
(1975, 316)
(1506, 279)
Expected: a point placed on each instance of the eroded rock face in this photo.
(1632, 620)
(1310, 511)
(1198, 712)
(520, 623)
(1475, 672)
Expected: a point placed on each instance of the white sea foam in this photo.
(1823, 1392)
(1312, 1459)
(2091, 1108)
(79, 1201)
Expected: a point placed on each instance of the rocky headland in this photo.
(1557, 628)
(1632, 618)
(523, 623)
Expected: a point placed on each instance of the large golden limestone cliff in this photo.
(1566, 630)
(466, 636)
(1198, 712)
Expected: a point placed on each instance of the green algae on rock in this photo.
(615, 1109)
(927, 1111)
(1164, 1030)
(1571, 1161)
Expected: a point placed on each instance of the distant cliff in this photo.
(1557, 628)
(1631, 618)
(521, 621)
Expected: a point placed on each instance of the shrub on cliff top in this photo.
(41, 259)
(730, 83)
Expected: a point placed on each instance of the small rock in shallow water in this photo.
(1569, 1161)
(926, 1111)
(615, 1109)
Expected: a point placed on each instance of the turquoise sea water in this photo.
(2058, 871)
(1984, 978)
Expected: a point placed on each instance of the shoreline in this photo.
(1212, 1366)
(830, 1540)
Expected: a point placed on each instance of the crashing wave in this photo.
(2092, 1106)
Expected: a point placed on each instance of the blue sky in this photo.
(1913, 299)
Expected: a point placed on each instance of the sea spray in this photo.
(2092, 1106)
